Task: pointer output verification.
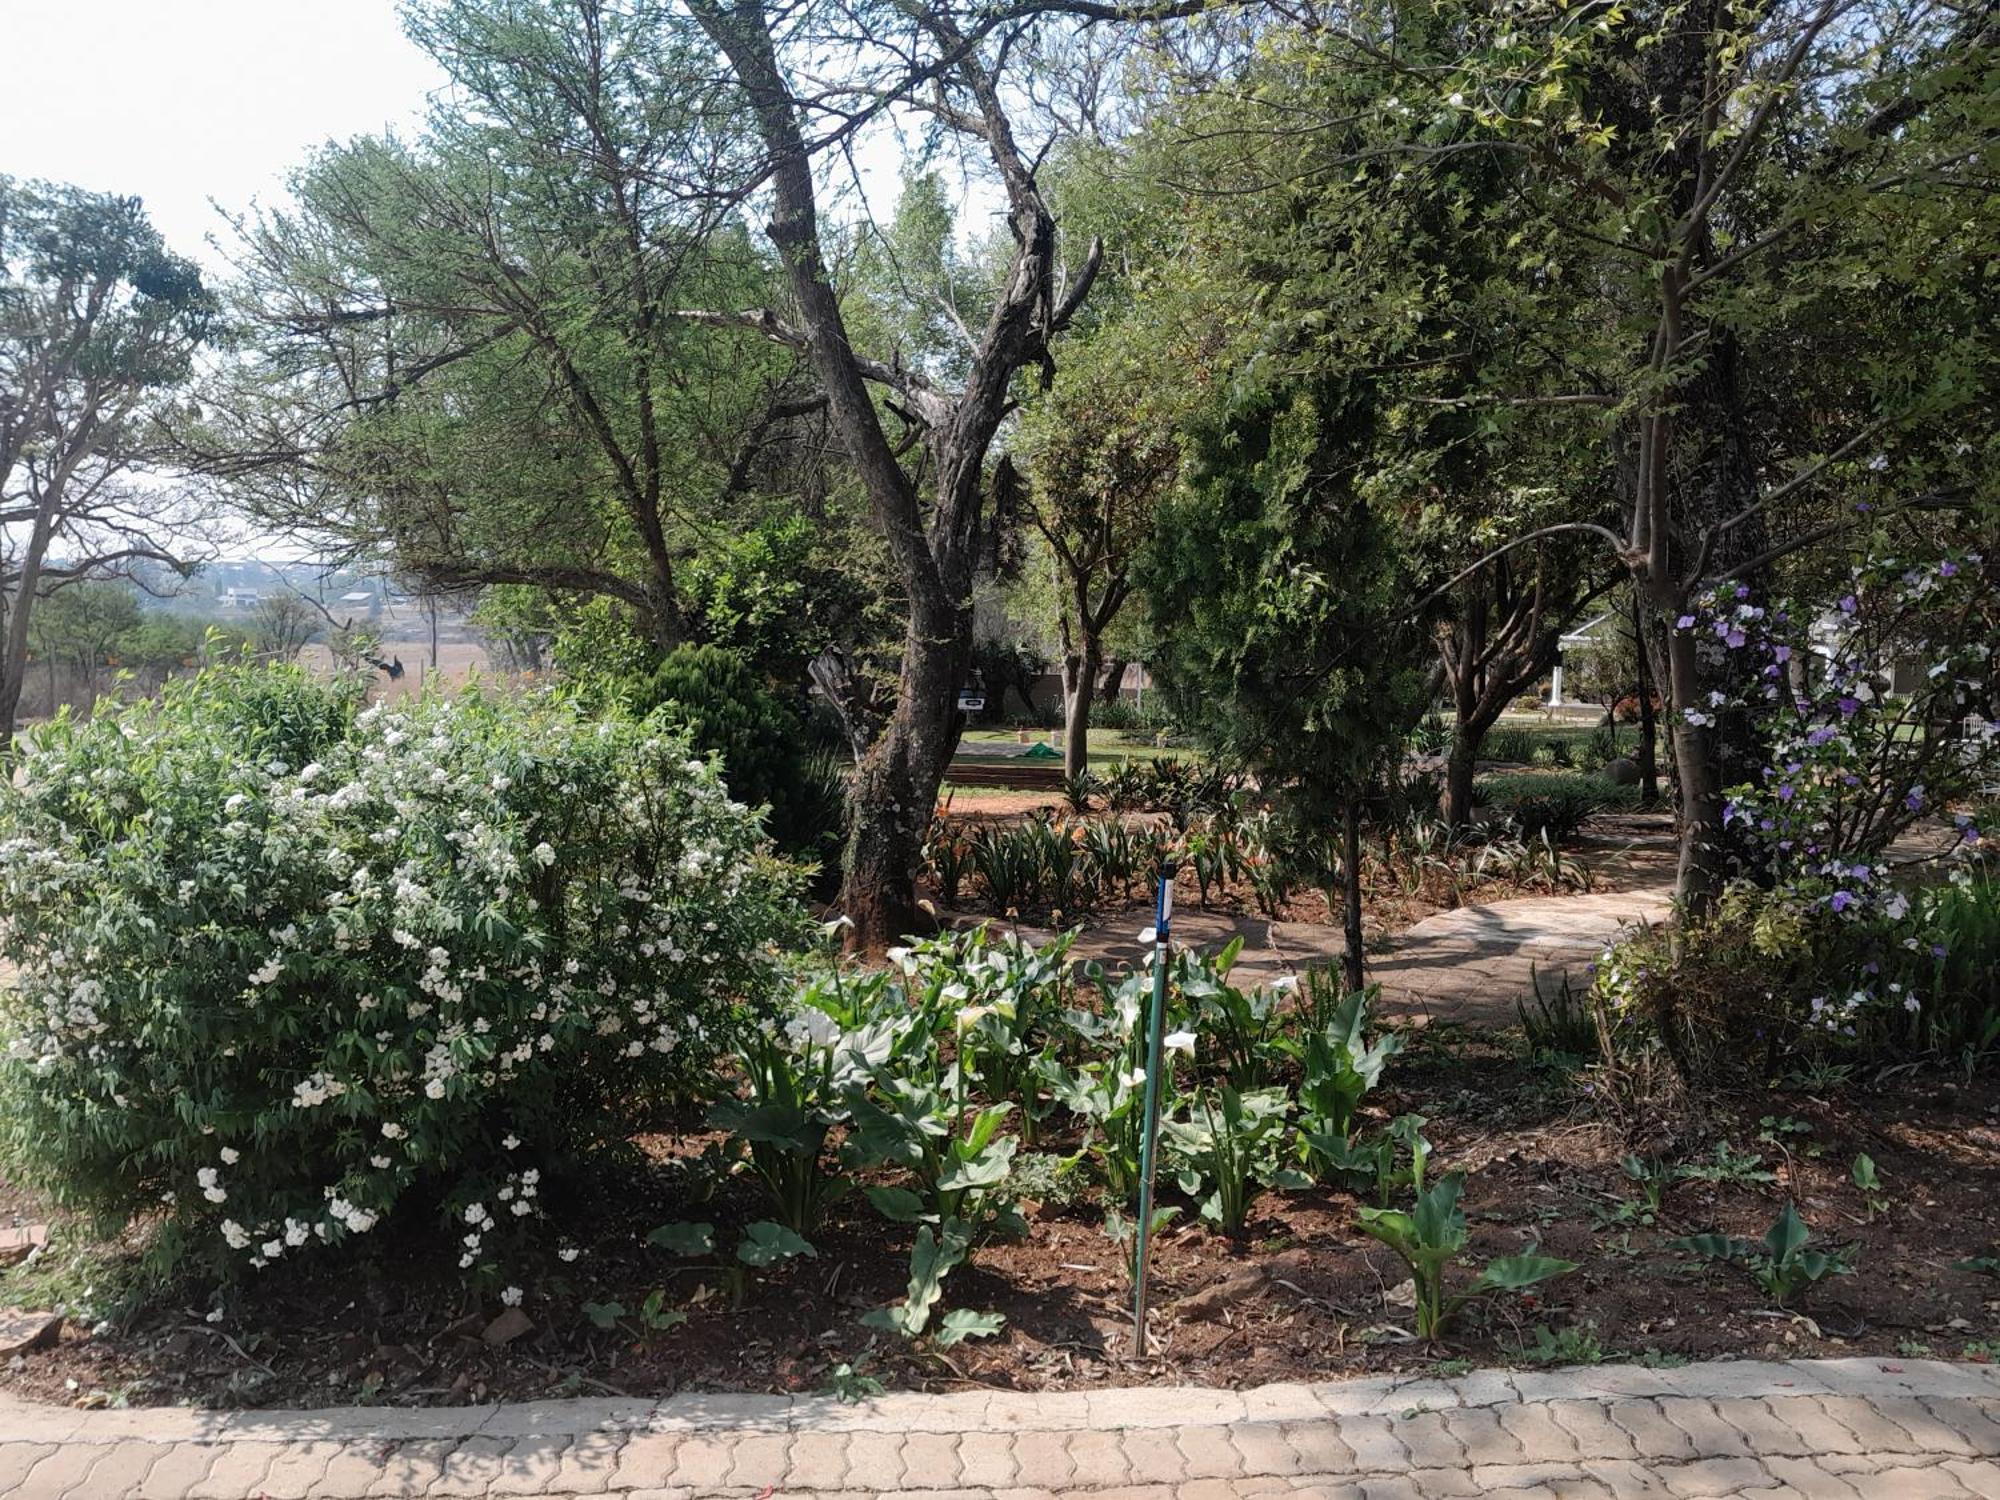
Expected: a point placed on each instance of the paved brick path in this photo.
(1910, 1430)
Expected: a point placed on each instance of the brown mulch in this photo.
(1299, 1295)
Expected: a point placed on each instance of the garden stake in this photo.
(1149, 1129)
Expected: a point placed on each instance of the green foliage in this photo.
(1124, 1234)
(730, 713)
(1280, 598)
(1557, 1019)
(1227, 1149)
(288, 968)
(1338, 1067)
(933, 1258)
(1429, 1239)
(1575, 1344)
(1551, 803)
(1869, 1181)
(1773, 981)
(1652, 1175)
(1728, 1165)
(1783, 1264)
(797, 1078)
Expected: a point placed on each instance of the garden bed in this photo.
(1301, 1294)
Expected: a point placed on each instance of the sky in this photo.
(183, 101)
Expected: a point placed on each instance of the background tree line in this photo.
(1335, 360)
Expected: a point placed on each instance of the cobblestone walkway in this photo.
(1861, 1427)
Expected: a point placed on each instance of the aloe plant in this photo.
(1429, 1240)
(1783, 1264)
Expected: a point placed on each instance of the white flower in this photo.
(568, 1253)
(544, 854)
(379, 1163)
(231, 1156)
(512, 1296)
(1134, 1079)
(1178, 1041)
(393, 1131)
(509, 1141)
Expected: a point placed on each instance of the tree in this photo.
(467, 362)
(283, 624)
(99, 324)
(1501, 636)
(1731, 174)
(1280, 602)
(81, 628)
(928, 515)
(1105, 451)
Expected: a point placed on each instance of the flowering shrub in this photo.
(1851, 764)
(288, 967)
(1817, 947)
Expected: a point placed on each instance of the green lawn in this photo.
(1107, 746)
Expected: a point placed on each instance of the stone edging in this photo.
(1130, 1407)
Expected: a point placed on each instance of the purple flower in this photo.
(1860, 872)
(1786, 792)
(1820, 736)
(1914, 801)
(1733, 639)
(1849, 604)
(1947, 569)
(1938, 950)
(1685, 622)
(1840, 900)
(1742, 591)
(1849, 707)
(1766, 824)
(1782, 655)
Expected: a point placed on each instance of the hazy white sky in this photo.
(181, 101)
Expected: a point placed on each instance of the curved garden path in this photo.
(1470, 965)
(1857, 1427)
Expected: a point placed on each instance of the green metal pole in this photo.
(1150, 1126)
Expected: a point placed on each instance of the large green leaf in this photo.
(962, 1323)
(896, 1203)
(766, 1243)
(1513, 1272)
(684, 1239)
(1788, 1235)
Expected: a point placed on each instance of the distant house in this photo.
(235, 597)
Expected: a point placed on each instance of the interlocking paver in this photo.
(1651, 1433)
(122, 1468)
(59, 1472)
(180, 1466)
(1799, 1431)
(1208, 1453)
(1480, 1433)
(1709, 1432)
(1979, 1477)
(1097, 1459)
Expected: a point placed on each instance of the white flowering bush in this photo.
(288, 967)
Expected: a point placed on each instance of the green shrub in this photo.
(288, 969)
(730, 712)
(1771, 981)
(1551, 802)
